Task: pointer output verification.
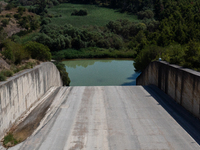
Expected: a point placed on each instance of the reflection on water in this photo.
(103, 72)
(84, 63)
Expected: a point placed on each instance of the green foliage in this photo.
(148, 54)
(45, 21)
(10, 139)
(7, 73)
(14, 52)
(16, 38)
(192, 55)
(148, 14)
(174, 54)
(9, 6)
(21, 10)
(98, 16)
(64, 75)
(28, 65)
(2, 77)
(17, 16)
(5, 22)
(80, 12)
(38, 51)
(8, 15)
(93, 52)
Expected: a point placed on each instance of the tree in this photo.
(192, 55)
(64, 75)
(41, 5)
(38, 51)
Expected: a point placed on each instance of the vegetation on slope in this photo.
(163, 28)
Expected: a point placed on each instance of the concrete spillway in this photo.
(114, 118)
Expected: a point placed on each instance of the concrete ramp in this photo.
(114, 118)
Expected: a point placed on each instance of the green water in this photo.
(104, 72)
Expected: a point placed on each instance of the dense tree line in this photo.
(167, 29)
(177, 36)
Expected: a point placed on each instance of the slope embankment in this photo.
(182, 84)
(19, 93)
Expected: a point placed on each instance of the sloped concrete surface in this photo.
(20, 92)
(114, 118)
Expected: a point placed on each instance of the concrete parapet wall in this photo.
(21, 91)
(183, 85)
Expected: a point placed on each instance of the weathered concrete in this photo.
(20, 92)
(115, 118)
(183, 85)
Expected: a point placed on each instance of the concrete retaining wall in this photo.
(183, 85)
(23, 90)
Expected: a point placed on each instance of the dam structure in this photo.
(142, 117)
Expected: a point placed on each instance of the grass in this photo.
(98, 16)
(93, 52)
(9, 140)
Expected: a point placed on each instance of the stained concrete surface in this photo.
(116, 118)
(20, 92)
(180, 83)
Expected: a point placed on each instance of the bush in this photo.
(8, 15)
(10, 140)
(64, 75)
(17, 16)
(45, 21)
(38, 51)
(14, 52)
(145, 14)
(9, 6)
(20, 10)
(8, 54)
(77, 43)
(55, 2)
(5, 22)
(148, 54)
(2, 77)
(79, 13)
(7, 73)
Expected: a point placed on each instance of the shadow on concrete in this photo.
(184, 118)
(132, 79)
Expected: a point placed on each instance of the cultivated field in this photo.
(96, 15)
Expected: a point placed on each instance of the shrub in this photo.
(14, 52)
(2, 77)
(9, 6)
(79, 13)
(146, 56)
(103, 43)
(21, 9)
(45, 21)
(145, 14)
(55, 2)
(114, 26)
(8, 15)
(44, 39)
(5, 22)
(8, 54)
(64, 75)
(7, 73)
(10, 139)
(38, 51)
(77, 43)
(17, 16)
(22, 22)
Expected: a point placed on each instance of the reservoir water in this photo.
(101, 72)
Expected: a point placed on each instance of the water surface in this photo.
(102, 72)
